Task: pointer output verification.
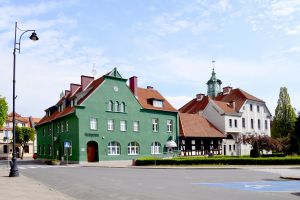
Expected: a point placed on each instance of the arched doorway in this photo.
(92, 151)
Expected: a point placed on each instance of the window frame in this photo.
(136, 128)
(123, 126)
(169, 125)
(133, 148)
(110, 125)
(156, 148)
(155, 125)
(113, 150)
(93, 123)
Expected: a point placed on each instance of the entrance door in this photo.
(92, 151)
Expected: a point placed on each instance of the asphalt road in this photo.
(131, 183)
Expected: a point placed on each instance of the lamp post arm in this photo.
(19, 43)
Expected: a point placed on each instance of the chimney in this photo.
(199, 97)
(133, 85)
(232, 104)
(149, 87)
(73, 88)
(85, 81)
(67, 92)
(226, 90)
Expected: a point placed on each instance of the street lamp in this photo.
(14, 172)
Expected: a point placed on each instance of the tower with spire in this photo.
(213, 84)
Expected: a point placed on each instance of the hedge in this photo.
(293, 160)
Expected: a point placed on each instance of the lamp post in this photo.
(14, 172)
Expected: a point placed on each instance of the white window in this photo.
(235, 123)
(133, 148)
(258, 124)
(117, 106)
(67, 126)
(258, 108)
(122, 107)
(251, 109)
(155, 148)
(252, 123)
(243, 123)
(157, 103)
(136, 126)
(113, 148)
(110, 106)
(169, 125)
(67, 148)
(123, 126)
(266, 124)
(230, 122)
(93, 123)
(155, 125)
(193, 142)
(110, 125)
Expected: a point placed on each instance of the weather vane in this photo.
(213, 63)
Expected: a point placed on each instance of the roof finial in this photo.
(213, 63)
(94, 72)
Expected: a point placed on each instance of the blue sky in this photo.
(168, 44)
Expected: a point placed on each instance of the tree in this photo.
(3, 111)
(23, 136)
(254, 153)
(294, 138)
(285, 116)
(263, 142)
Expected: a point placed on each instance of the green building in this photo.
(105, 119)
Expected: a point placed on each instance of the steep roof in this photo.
(195, 125)
(226, 107)
(237, 95)
(194, 106)
(145, 97)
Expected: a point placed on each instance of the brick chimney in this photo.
(85, 81)
(227, 90)
(67, 92)
(73, 88)
(133, 85)
(199, 97)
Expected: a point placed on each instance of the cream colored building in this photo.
(6, 146)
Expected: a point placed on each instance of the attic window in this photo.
(157, 103)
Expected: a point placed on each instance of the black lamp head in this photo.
(34, 37)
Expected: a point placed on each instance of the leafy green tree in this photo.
(23, 136)
(3, 111)
(285, 116)
(294, 138)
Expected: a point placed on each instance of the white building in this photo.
(6, 146)
(234, 112)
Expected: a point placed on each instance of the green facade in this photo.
(80, 134)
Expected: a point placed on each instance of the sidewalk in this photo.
(25, 188)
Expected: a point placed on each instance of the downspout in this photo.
(178, 133)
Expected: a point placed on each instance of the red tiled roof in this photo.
(57, 115)
(237, 95)
(194, 106)
(224, 106)
(93, 86)
(195, 125)
(145, 96)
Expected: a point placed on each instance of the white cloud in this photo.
(283, 8)
(293, 30)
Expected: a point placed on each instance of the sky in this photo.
(167, 44)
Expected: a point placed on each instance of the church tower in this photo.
(213, 84)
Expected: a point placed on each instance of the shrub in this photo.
(219, 161)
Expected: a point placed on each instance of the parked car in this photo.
(34, 156)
